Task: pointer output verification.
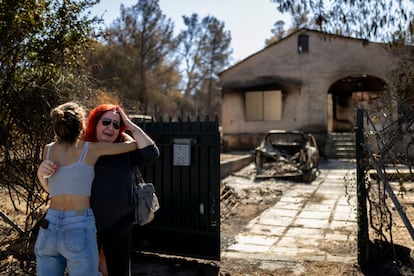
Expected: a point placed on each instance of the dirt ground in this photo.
(238, 207)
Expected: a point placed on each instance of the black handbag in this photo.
(144, 199)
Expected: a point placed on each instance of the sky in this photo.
(249, 21)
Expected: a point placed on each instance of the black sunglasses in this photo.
(107, 122)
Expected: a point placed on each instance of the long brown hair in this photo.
(68, 122)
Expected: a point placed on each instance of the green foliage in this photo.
(385, 20)
(300, 19)
(402, 78)
(205, 49)
(191, 50)
(137, 59)
(41, 55)
(278, 32)
(141, 61)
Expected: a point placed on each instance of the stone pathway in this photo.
(314, 222)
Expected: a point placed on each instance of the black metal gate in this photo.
(377, 165)
(187, 182)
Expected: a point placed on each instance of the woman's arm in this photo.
(126, 137)
(98, 149)
(106, 148)
(145, 155)
(41, 176)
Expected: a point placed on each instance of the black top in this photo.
(112, 186)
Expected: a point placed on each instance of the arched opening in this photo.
(349, 93)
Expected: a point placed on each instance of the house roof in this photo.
(302, 30)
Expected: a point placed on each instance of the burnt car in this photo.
(287, 154)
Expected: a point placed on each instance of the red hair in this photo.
(93, 119)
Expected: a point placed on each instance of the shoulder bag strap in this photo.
(136, 173)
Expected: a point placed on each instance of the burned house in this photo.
(308, 81)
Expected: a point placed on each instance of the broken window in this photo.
(263, 105)
(303, 43)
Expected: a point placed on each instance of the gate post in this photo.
(362, 218)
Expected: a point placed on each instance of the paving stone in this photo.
(345, 208)
(306, 214)
(288, 205)
(281, 212)
(266, 229)
(332, 189)
(310, 222)
(249, 247)
(298, 242)
(292, 199)
(263, 240)
(305, 232)
(318, 207)
(347, 216)
(343, 200)
(275, 220)
(321, 199)
(339, 224)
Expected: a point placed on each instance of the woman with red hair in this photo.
(93, 120)
(112, 185)
(67, 236)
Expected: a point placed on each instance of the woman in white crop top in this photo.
(67, 238)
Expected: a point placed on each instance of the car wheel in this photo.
(307, 177)
(310, 175)
(258, 162)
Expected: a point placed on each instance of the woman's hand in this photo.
(46, 169)
(140, 137)
(125, 119)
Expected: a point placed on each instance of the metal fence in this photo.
(383, 169)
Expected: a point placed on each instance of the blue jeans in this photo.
(69, 241)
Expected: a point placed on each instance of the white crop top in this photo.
(75, 179)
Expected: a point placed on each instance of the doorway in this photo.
(349, 93)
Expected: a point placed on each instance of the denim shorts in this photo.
(67, 240)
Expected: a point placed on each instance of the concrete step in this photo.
(343, 145)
